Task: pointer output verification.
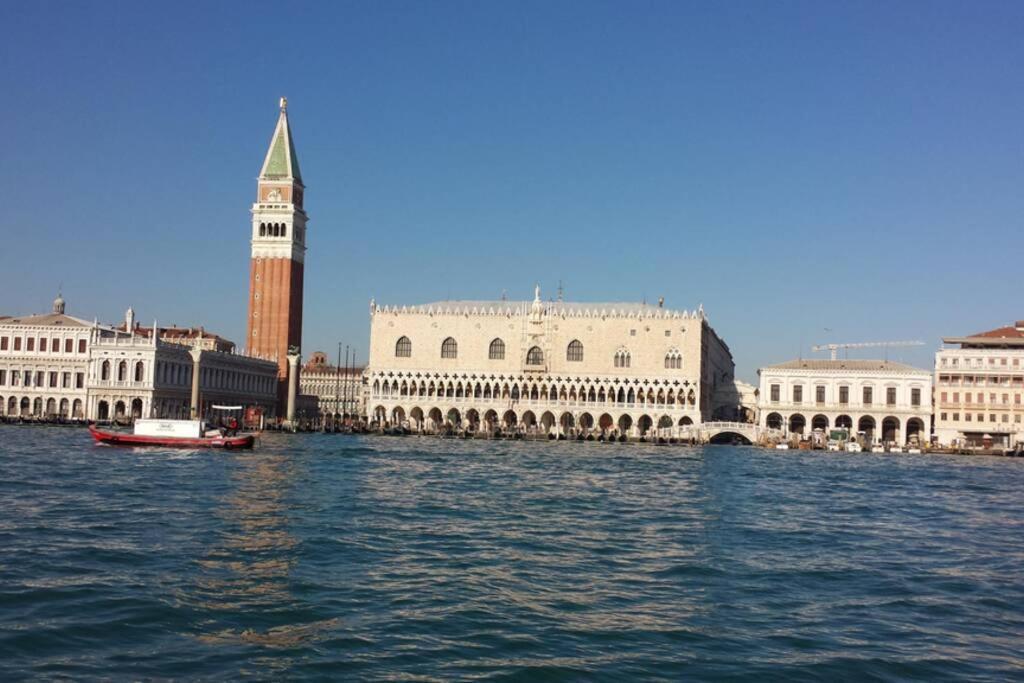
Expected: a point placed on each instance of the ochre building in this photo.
(554, 367)
(979, 384)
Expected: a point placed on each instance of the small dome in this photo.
(58, 304)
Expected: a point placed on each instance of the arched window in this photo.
(403, 348)
(263, 229)
(535, 356)
(284, 230)
(449, 349)
(673, 360)
(497, 350)
(105, 370)
(139, 370)
(122, 371)
(575, 351)
(622, 358)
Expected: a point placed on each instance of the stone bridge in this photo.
(725, 432)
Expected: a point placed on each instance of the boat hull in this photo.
(123, 439)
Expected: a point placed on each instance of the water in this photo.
(385, 558)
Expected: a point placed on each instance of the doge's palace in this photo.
(543, 367)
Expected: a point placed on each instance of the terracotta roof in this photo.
(1009, 331)
(174, 332)
(856, 365)
(1007, 336)
(317, 368)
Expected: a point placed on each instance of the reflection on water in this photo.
(365, 559)
(246, 570)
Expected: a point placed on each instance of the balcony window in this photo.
(535, 356)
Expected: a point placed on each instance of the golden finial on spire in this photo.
(284, 104)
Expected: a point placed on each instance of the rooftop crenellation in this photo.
(563, 309)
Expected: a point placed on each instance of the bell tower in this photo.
(278, 254)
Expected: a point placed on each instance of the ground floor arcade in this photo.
(532, 418)
(888, 428)
(42, 406)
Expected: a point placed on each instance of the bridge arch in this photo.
(728, 438)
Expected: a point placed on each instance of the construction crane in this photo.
(833, 348)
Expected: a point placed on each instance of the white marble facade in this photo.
(554, 367)
(888, 402)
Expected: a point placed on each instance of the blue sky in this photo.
(792, 166)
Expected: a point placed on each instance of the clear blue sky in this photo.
(792, 166)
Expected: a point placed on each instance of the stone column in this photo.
(196, 355)
(293, 385)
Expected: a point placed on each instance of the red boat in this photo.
(204, 439)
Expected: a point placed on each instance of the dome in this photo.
(58, 304)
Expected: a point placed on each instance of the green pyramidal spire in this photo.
(281, 162)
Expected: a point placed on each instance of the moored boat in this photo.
(173, 434)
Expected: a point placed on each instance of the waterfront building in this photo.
(887, 401)
(43, 364)
(278, 254)
(329, 392)
(554, 367)
(138, 373)
(979, 382)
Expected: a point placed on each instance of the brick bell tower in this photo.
(278, 255)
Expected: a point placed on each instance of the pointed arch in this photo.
(496, 350)
(574, 352)
(403, 347)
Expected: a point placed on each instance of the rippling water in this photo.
(386, 558)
